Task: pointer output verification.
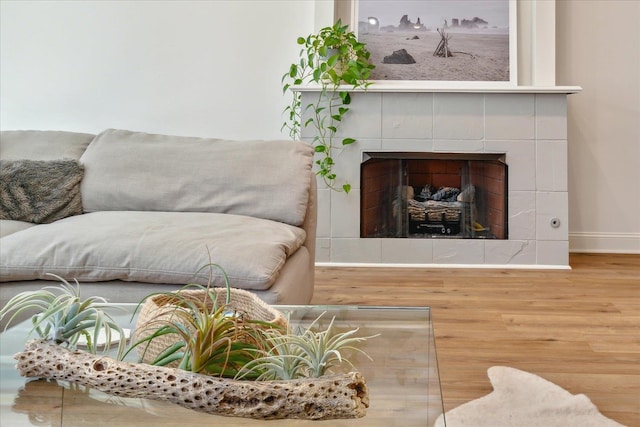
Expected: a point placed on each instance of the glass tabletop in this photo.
(403, 379)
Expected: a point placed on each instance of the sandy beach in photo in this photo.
(486, 56)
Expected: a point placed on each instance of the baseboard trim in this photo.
(449, 266)
(615, 243)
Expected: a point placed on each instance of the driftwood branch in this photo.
(443, 47)
(339, 396)
(465, 53)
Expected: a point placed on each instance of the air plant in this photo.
(210, 337)
(63, 317)
(322, 349)
(283, 360)
(309, 354)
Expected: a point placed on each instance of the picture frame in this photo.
(458, 43)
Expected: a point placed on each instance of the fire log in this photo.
(330, 397)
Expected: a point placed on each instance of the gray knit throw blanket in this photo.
(40, 191)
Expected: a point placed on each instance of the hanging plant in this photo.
(333, 58)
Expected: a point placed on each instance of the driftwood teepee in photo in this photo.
(443, 47)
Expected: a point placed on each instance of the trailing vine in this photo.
(332, 58)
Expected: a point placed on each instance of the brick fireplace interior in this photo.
(433, 195)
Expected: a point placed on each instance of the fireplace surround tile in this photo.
(522, 215)
(356, 250)
(458, 251)
(458, 116)
(510, 118)
(323, 227)
(458, 146)
(552, 206)
(406, 115)
(323, 248)
(343, 222)
(551, 116)
(520, 252)
(407, 145)
(552, 157)
(552, 252)
(407, 251)
(368, 123)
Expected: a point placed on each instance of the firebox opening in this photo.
(433, 195)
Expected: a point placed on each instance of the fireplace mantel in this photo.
(445, 87)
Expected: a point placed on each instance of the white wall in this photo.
(201, 68)
(598, 48)
(213, 68)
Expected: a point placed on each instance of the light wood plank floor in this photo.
(578, 328)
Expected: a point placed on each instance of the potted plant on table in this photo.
(332, 59)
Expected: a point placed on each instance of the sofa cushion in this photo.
(40, 191)
(153, 247)
(144, 172)
(42, 144)
(9, 226)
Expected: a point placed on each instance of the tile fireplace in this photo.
(425, 140)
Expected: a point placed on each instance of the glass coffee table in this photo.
(403, 380)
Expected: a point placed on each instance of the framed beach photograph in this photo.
(439, 40)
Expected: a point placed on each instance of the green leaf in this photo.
(170, 358)
(348, 141)
(293, 70)
(170, 352)
(78, 318)
(320, 149)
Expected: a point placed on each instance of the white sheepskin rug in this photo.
(521, 399)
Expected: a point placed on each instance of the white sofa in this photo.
(157, 208)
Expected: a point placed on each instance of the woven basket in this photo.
(160, 307)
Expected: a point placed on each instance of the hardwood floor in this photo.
(578, 328)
